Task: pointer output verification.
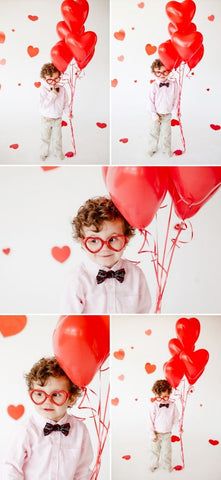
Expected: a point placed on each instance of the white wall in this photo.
(36, 211)
(20, 118)
(18, 353)
(202, 419)
(199, 109)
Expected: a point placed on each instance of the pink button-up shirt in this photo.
(162, 419)
(33, 456)
(82, 294)
(53, 105)
(163, 100)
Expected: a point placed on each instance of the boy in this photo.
(52, 444)
(53, 102)
(104, 282)
(163, 103)
(163, 416)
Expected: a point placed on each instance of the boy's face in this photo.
(48, 409)
(105, 257)
(163, 397)
(52, 79)
(161, 72)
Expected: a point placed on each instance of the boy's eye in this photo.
(93, 240)
(112, 239)
(39, 394)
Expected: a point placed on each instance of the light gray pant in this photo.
(51, 133)
(161, 126)
(161, 448)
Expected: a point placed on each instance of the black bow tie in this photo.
(103, 275)
(164, 84)
(56, 428)
(164, 405)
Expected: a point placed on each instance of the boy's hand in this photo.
(154, 437)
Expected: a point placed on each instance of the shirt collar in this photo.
(41, 421)
(93, 267)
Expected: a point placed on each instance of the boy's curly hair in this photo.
(161, 386)
(49, 367)
(49, 69)
(95, 212)
(156, 64)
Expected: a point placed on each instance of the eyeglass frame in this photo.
(159, 399)
(49, 395)
(51, 81)
(160, 74)
(105, 242)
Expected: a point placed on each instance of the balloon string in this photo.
(181, 77)
(74, 75)
(183, 399)
(145, 234)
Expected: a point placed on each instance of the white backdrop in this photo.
(146, 23)
(23, 350)
(144, 339)
(36, 209)
(19, 97)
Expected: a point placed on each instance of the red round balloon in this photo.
(137, 192)
(191, 187)
(188, 330)
(174, 371)
(181, 13)
(75, 13)
(187, 45)
(81, 345)
(194, 364)
(61, 55)
(168, 55)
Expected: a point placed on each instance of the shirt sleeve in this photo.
(47, 98)
(144, 294)
(83, 471)
(17, 454)
(151, 101)
(176, 100)
(72, 299)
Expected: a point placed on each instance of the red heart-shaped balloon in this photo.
(181, 13)
(188, 330)
(168, 55)
(194, 364)
(83, 63)
(196, 57)
(137, 192)
(75, 13)
(61, 55)
(81, 345)
(175, 346)
(187, 45)
(186, 29)
(81, 45)
(174, 371)
(63, 30)
(191, 187)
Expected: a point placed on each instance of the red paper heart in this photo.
(37, 84)
(48, 168)
(215, 127)
(101, 125)
(12, 324)
(126, 457)
(14, 146)
(123, 140)
(120, 354)
(181, 13)
(2, 61)
(2, 37)
(16, 411)
(121, 58)
(6, 251)
(81, 336)
(174, 122)
(178, 467)
(174, 438)
(214, 442)
(194, 364)
(32, 51)
(150, 49)
(120, 35)
(69, 154)
(211, 18)
(115, 401)
(33, 18)
(150, 368)
(121, 377)
(63, 123)
(114, 82)
(148, 332)
(61, 254)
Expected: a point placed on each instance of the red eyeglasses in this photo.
(160, 74)
(115, 243)
(58, 397)
(159, 399)
(52, 81)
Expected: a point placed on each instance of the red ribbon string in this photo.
(183, 394)
(181, 70)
